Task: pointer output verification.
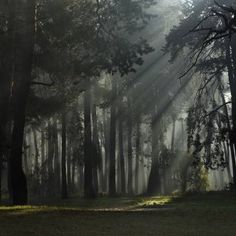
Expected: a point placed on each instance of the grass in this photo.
(195, 214)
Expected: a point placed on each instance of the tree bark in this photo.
(112, 170)
(154, 182)
(1, 165)
(68, 163)
(22, 78)
(138, 147)
(50, 157)
(121, 154)
(173, 135)
(88, 161)
(64, 193)
(130, 149)
(96, 144)
(57, 167)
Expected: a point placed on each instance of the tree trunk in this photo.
(68, 163)
(57, 175)
(1, 165)
(22, 78)
(130, 149)
(154, 182)
(97, 150)
(137, 169)
(88, 161)
(173, 135)
(6, 71)
(121, 155)
(64, 193)
(36, 163)
(231, 65)
(50, 152)
(73, 172)
(105, 167)
(43, 159)
(112, 171)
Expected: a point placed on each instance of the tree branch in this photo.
(42, 83)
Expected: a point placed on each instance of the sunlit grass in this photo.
(155, 201)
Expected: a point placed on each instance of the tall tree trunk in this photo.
(112, 170)
(7, 72)
(36, 163)
(43, 159)
(64, 193)
(22, 79)
(121, 154)
(50, 152)
(96, 144)
(68, 163)
(1, 166)
(130, 149)
(137, 169)
(26, 155)
(231, 65)
(57, 175)
(227, 157)
(73, 172)
(154, 182)
(230, 142)
(88, 161)
(173, 135)
(105, 167)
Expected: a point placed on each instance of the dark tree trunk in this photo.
(1, 165)
(97, 150)
(6, 71)
(154, 182)
(36, 159)
(173, 135)
(68, 163)
(88, 161)
(227, 155)
(25, 156)
(73, 172)
(130, 149)
(57, 175)
(43, 159)
(112, 171)
(138, 151)
(105, 167)
(121, 155)
(50, 152)
(22, 78)
(64, 193)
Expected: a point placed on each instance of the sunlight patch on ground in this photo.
(155, 201)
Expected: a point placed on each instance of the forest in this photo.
(117, 117)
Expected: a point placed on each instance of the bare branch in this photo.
(42, 83)
(217, 109)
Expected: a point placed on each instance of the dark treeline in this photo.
(90, 104)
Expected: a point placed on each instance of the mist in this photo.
(117, 105)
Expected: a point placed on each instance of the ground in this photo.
(194, 214)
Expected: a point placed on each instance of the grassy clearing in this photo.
(200, 215)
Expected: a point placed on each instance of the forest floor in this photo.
(194, 214)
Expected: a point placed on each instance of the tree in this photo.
(211, 41)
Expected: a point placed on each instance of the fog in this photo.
(118, 99)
